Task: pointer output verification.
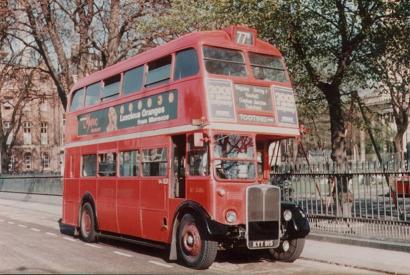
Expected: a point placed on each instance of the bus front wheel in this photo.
(87, 223)
(195, 250)
(288, 250)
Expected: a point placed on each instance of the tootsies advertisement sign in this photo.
(147, 110)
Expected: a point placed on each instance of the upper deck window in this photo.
(92, 95)
(224, 61)
(186, 64)
(78, 100)
(159, 71)
(133, 80)
(111, 87)
(266, 67)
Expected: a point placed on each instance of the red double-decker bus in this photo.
(171, 148)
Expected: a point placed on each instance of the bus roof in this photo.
(213, 38)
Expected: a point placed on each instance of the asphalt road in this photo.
(30, 242)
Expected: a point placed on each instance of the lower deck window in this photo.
(129, 164)
(154, 162)
(89, 168)
(107, 164)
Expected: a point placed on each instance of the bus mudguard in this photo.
(298, 226)
(214, 229)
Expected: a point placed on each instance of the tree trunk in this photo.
(337, 122)
(398, 140)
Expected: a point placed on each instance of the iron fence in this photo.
(361, 199)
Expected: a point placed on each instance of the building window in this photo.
(43, 133)
(6, 125)
(11, 163)
(45, 160)
(27, 132)
(27, 161)
(7, 106)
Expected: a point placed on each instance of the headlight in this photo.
(287, 215)
(230, 216)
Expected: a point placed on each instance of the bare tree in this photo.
(74, 38)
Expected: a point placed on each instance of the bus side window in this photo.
(133, 80)
(92, 94)
(78, 100)
(111, 88)
(154, 162)
(129, 163)
(89, 168)
(159, 71)
(107, 164)
(186, 64)
(198, 161)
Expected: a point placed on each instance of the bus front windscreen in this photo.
(234, 157)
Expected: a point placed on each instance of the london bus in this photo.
(170, 148)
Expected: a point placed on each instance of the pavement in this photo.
(30, 242)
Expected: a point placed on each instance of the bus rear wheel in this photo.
(288, 250)
(87, 223)
(195, 250)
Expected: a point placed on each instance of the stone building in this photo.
(38, 141)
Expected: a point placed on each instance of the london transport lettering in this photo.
(152, 109)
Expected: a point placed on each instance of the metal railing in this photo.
(361, 199)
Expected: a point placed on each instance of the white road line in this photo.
(123, 254)
(92, 245)
(161, 264)
(10, 222)
(69, 239)
(1, 220)
(51, 234)
(22, 225)
(35, 229)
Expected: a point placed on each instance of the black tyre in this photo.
(87, 223)
(195, 250)
(288, 250)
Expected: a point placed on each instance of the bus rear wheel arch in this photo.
(194, 247)
(88, 223)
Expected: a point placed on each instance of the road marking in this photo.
(123, 254)
(51, 234)
(161, 264)
(69, 239)
(10, 222)
(22, 225)
(35, 229)
(92, 245)
(1, 220)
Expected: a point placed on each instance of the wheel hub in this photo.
(191, 240)
(285, 246)
(86, 223)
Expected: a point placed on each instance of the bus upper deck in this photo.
(187, 84)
